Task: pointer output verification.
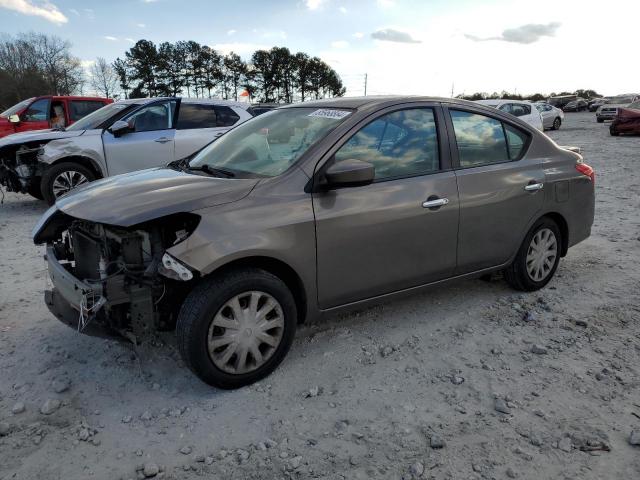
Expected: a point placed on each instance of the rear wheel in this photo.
(556, 123)
(234, 330)
(613, 132)
(62, 178)
(538, 257)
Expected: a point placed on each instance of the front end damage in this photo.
(20, 168)
(114, 281)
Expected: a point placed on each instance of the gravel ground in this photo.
(471, 380)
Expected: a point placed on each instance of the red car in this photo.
(50, 111)
(627, 120)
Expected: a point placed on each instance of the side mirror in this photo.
(119, 128)
(349, 173)
(14, 118)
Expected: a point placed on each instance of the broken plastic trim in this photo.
(174, 269)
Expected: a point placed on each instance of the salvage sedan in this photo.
(312, 209)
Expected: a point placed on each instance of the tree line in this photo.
(274, 75)
(34, 64)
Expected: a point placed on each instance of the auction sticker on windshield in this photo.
(326, 113)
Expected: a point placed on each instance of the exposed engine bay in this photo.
(20, 169)
(121, 278)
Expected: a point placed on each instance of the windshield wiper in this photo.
(215, 171)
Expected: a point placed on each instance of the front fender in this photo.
(84, 148)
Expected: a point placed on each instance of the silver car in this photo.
(118, 138)
(307, 210)
(552, 117)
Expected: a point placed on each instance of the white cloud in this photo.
(231, 32)
(130, 40)
(343, 10)
(340, 44)
(141, 25)
(314, 4)
(110, 38)
(358, 35)
(74, 11)
(44, 9)
(529, 33)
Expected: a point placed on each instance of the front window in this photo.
(158, 116)
(101, 116)
(269, 144)
(16, 108)
(38, 111)
(398, 144)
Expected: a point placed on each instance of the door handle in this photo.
(435, 203)
(162, 140)
(534, 187)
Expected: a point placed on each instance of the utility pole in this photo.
(452, 89)
(365, 84)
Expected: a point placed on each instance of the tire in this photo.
(518, 275)
(556, 123)
(600, 120)
(209, 302)
(613, 132)
(55, 172)
(35, 191)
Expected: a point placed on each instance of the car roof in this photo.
(501, 101)
(370, 101)
(72, 97)
(211, 101)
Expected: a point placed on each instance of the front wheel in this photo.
(63, 177)
(537, 259)
(556, 123)
(235, 329)
(613, 132)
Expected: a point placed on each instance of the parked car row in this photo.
(310, 209)
(118, 138)
(609, 110)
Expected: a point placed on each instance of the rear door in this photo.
(36, 116)
(150, 143)
(382, 237)
(500, 186)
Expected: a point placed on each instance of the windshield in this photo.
(97, 118)
(16, 108)
(269, 144)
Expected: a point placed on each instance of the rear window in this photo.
(81, 108)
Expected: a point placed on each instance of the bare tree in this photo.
(104, 78)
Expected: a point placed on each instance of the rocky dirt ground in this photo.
(469, 381)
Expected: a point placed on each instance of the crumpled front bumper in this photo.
(69, 297)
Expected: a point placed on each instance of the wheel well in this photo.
(281, 270)
(564, 230)
(86, 161)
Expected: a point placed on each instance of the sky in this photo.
(427, 47)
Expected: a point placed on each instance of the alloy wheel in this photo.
(66, 181)
(245, 332)
(542, 254)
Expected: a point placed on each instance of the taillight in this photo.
(586, 170)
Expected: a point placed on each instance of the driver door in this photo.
(386, 236)
(150, 142)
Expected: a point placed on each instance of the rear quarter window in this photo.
(226, 117)
(192, 115)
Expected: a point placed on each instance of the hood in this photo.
(132, 198)
(38, 136)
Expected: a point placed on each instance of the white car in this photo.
(552, 117)
(525, 111)
(119, 138)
